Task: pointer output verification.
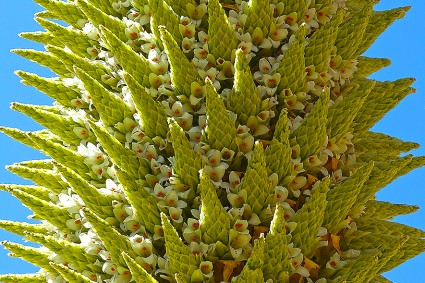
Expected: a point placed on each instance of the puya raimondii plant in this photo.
(211, 141)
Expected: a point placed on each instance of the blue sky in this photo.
(403, 43)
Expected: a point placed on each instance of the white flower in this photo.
(91, 31)
(335, 262)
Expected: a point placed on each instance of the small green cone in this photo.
(56, 215)
(222, 39)
(180, 257)
(311, 134)
(245, 99)
(54, 88)
(221, 131)
(46, 59)
(148, 109)
(111, 108)
(187, 162)
(252, 270)
(65, 11)
(278, 153)
(305, 234)
(47, 178)
(36, 256)
(145, 206)
(277, 262)
(22, 228)
(93, 199)
(113, 241)
(320, 46)
(259, 14)
(183, 71)
(367, 65)
(292, 66)
(44, 38)
(69, 274)
(59, 124)
(342, 197)
(351, 30)
(22, 278)
(138, 273)
(124, 158)
(385, 210)
(71, 62)
(70, 252)
(164, 16)
(215, 222)
(134, 64)
(98, 18)
(256, 181)
(74, 39)
(378, 23)
(382, 174)
(342, 114)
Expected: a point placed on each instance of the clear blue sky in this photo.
(403, 43)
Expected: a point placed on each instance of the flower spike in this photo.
(215, 222)
(55, 88)
(221, 132)
(319, 48)
(292, 66)
(378, 23)
(367, 65)
(46, 59)
(187, 162)
(98, 18)
(311, 134)
(113, 241)
(163, 15)
(131, 62)
(245, 99)
(138, 273)
(180, 257)
(342, 197)
(305, 234)
(222, 39)
(256, 181)
(22, 278)
(69, 274)
(183, 71)
(148, 109)
(36, 256)
(66, 11)
(67, 37)
(277, 263)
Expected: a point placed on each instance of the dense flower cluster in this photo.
(199, 141)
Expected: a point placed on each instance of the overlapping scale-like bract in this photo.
(305, 233)
(211, 141)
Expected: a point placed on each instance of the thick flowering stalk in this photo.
(211, 141)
